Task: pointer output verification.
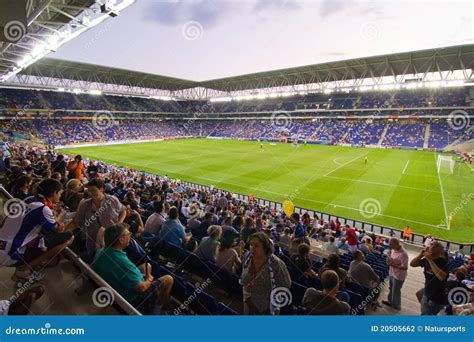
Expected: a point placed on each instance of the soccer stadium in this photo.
(340, 187)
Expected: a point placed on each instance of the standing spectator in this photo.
(435, 267)
(97, 213)
(262, 273)
(397, 262)
(407, 233)
(76, 168)
(351, 238)
(92, 170)
(325, 302)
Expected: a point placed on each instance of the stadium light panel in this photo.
(38, 49)
(95, 92)
(61, 89)
(327, 91)
(77, 91)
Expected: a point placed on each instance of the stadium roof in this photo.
(423, 61)
(48, 25)
(57, 68)
(406, 63)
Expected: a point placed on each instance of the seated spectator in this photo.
(96, 213)
(247, 230)
(364, 275)
(59, 165)
(135, 284)
(262, 272)
(22, 187)
(206, 222)
(172, 231)
(227, 257)
(73, 195)
(303, 262)
(330, 246)
(333, 263)
(325, 302)
(154, 222)
(37, 235)
(227, 226)
(208, 247)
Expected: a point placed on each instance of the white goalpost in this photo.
(443, 160)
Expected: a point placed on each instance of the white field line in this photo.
(405, 168)
(384, 184)
(314, 201)
(342, 165)
(442, 195)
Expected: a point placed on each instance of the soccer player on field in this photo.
(366, 159)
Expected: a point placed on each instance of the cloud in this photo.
(332, 7)
(175, 13)
(265, 5)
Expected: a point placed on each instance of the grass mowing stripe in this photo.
(279, 171)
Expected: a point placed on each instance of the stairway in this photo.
(382, 137)
(455, 142)
(427, 136)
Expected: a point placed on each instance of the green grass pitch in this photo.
(394, 187)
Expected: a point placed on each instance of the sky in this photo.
(208, 39)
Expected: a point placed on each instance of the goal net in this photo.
(445, 163)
